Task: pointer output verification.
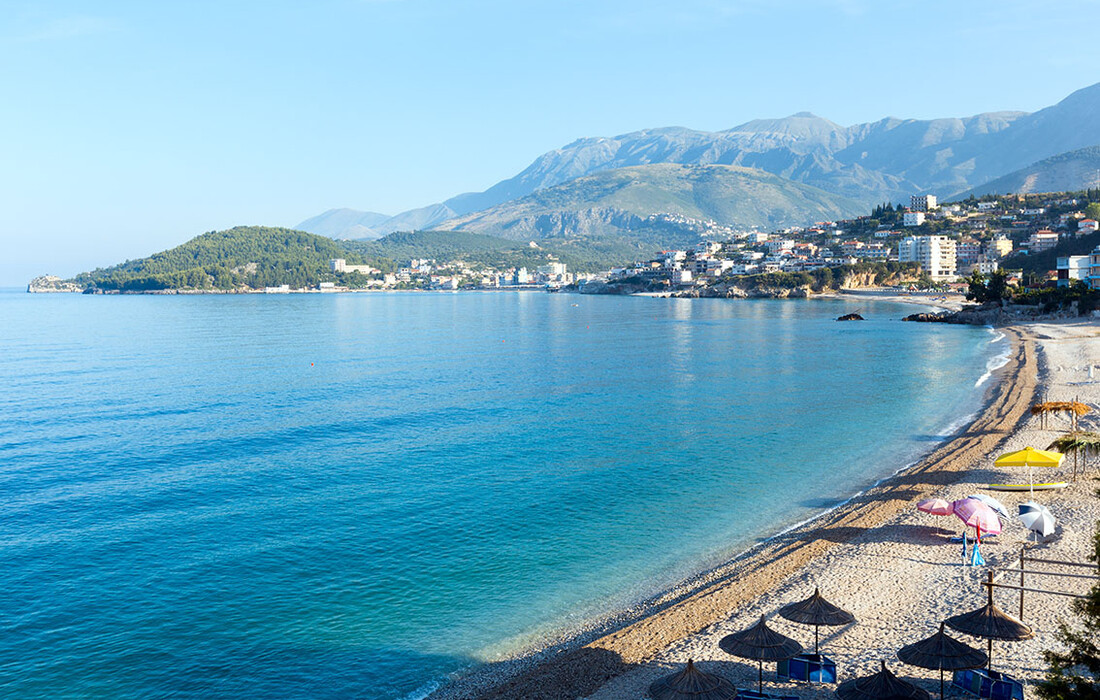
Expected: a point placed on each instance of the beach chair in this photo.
(753, 695)
(812, 668)
(993, 685)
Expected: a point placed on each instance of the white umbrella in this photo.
(1037, 518)
(992, 503)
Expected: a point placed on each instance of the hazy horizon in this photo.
(139, 127)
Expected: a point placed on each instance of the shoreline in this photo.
(580, 665)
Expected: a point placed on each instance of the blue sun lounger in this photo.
(813, 668)
(753, 695)
(984, 683)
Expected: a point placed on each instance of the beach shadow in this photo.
(573, 673)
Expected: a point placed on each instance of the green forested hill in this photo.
(260, 256)
(245, 256)
(479, 250)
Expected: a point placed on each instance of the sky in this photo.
(130, 127)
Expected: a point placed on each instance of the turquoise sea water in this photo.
(353, 495)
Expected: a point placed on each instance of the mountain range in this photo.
(886, 160)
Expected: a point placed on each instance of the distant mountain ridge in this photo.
(886, 160)
(1065, 172)
(617, 202)
(345, 223)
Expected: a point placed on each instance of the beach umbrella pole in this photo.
(760, 679)
(941, 683)
(816, 628)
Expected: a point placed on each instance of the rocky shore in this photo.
(993, 314)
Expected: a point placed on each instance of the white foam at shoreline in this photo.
(997, 361)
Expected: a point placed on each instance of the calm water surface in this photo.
(353, 495)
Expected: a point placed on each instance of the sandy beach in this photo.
(875, 555)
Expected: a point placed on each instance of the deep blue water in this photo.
(352, 495)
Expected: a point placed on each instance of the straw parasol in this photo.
(1080, 443)
(761, 643)
(880, 686)
(942, 652)
(816, 611)
(692, 684)
(990, 622)
(1073, 408)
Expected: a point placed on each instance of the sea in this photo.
(358, 495)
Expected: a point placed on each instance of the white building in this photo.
(1072, 267)
(341, 265)
(912, 218)
(680, 277)
(1042, 240)
(922, 202)
(1086, 226)
(554, 269)
(935, 254)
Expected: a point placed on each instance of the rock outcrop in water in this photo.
(851, 317)
(49, 283)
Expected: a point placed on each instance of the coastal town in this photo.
(948, 242)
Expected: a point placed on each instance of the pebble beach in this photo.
(875, 555)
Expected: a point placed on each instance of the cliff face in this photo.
(862, 280)
(49, 283)
(734, 291)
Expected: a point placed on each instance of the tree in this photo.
(981, 290)
(1092, 211)
(1075, 673)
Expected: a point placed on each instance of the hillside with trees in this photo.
(242, 257)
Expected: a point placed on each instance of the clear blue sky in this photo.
(129, 127)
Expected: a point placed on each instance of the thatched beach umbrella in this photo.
(880, 686)
(1081, 444)
(816, 611)
(761, 643)
(990, 622)
(944, 653)
(1073, 408)
(692, 684)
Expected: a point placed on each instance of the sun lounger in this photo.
(813, 668)
(988, 684)
(752, 695)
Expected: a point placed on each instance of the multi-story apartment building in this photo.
(999, 247)
(935, 254)
(1041, 240)
(922, 202)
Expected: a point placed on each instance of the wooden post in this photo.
(1022, 550)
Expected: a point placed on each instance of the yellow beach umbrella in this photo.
(1030, 457)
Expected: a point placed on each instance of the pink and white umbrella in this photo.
(935, 506)
(977, 515)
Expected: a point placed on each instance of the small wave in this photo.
(997, 361)
(959, 424)
(423, 691)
